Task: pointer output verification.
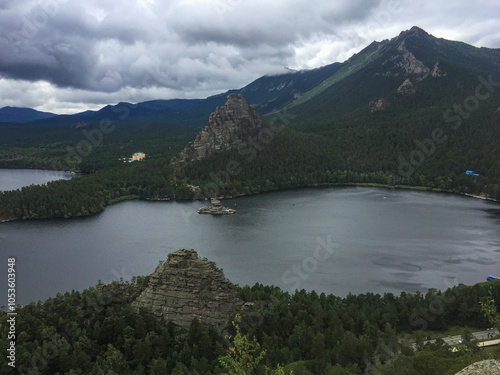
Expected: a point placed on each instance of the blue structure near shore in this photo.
(490, 278)
(471, 173)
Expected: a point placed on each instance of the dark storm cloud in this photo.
(68, 54)
(59, 45)
(277, 24)
(64, 43)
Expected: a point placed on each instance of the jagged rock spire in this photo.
(227, 126)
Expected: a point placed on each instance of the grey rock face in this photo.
(379, 105)
(227, 126)
(187, 287)
(488, 367)
(437, 71)
(406, 88)
(410, 64)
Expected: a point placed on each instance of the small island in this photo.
(216, 209)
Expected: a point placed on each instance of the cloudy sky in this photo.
(67, 56)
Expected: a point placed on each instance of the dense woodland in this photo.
(97, 332)
(426, 140)
(335, 153)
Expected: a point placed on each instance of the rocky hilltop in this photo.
(228, 125)
(187, 287)
(487, 367)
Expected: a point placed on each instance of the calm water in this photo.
(333, 240)
(12, 179)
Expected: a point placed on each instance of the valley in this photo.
(355, 236)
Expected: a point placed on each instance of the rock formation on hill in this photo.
(187, 287)
(379, 105)
(406, 88)
(488, 367)
(227, 126)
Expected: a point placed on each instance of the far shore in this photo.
(364, 184)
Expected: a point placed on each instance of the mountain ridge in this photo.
(23, 114)
(416, 53)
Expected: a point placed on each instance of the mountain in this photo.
(411, 110)
(382, 67)
(321, 93)
(266, 94)
(269, 93)
(227, 126)
(128, 113)
(16, 114)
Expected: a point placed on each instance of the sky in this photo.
(68, 56)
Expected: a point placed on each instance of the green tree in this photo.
(244, 357)
(489, 309)
(280, 371)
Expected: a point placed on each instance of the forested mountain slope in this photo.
(414, 110)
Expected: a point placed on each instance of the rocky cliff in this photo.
(228, 125)
(187, 287)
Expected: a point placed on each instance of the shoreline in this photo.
(333, 185)
(346, 184)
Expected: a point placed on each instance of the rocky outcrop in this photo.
(216, 209)
(228, 125)
(187, 287)
(437, 71)
(406, 88)
(379, 105)
(409, 63)
(488, 367)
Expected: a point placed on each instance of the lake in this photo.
(332, 240)
(13, 179)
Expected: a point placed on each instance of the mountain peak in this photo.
(236, 101)
(227, 126)
(415, 31)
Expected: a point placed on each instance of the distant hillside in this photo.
(441, 70)
(413, 110)
(270, 93)
(15, 114)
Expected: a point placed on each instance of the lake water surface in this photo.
(332, 240)
(13, 179)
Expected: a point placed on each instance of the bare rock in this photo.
(187, 287)
(488, 367)
(437, 71)
(379, 105)
(409, 63)
(406, 88)
(226, 126)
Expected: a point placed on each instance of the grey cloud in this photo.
(104, 51)
(266, 23)
(349, 11)
(62, 48)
